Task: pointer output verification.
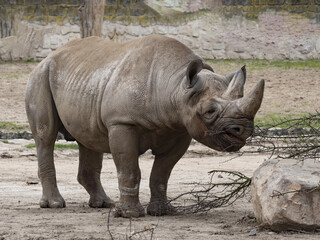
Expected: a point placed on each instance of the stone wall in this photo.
(264, 29)
(273, 36)
(252, 8)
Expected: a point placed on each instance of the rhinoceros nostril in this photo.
(235, 130)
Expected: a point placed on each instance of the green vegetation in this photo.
(286, 121)
(30, 60)
(5, 141)
(58, 146)
(258, 64)
(13, 76)
(30, 145)
(9, 126)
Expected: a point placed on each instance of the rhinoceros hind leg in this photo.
(51, 197)
(44, 123)
(90, 164)
(57, 202)
(160, 173)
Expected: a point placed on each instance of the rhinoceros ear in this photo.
(193, 69)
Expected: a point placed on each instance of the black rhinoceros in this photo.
(151, 93)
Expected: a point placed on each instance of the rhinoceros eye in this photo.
(211, 111)
(210, 114)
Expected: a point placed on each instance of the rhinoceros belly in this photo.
(78, 102)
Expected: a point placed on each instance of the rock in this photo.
(120, 29)
(160, 30)
(65, 30)
(173, 31)
(286, 194)
(276, 131)
(43, 53)
(207, 46)
(318, 45)
(26, 135)
(186, 30)
(75, 28)
(218, 46)
(134, 30)
(6, 155)
(253, 232)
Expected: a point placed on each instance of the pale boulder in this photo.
(286, 194)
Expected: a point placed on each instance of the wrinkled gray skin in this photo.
(151, 93)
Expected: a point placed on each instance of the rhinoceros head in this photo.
(218, 115)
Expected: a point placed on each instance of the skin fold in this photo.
(125, 98)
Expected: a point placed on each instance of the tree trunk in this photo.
(91, 14)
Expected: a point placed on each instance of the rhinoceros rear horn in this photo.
(236, 84)
(193, 69)
(250, 104)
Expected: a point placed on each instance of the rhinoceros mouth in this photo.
(222, 141)
(232, 138)
(234, 142)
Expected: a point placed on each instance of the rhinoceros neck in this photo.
(165, 97)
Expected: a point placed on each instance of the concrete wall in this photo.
(265, 29)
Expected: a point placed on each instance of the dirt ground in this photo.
(287, 91)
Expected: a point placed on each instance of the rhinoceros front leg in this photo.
(160, 174)
(123, 142)
(90, 164)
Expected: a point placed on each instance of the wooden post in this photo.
(91, 13)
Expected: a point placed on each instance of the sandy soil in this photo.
(20, 191)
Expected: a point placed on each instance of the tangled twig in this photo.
(300, 138)
(204, 197)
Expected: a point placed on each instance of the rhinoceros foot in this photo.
(128, 210)
(57, 202)
(159, 208)
(104, 202)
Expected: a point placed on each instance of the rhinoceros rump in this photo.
(151, 93)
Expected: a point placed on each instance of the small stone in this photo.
(160, 30)
(253, 232)
(6, 155)
(65, 30)
(44, 53)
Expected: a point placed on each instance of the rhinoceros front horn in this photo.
(235, 87)
(250, 104)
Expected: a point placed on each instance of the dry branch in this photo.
(139, 234)
(204, 197)
(300, 139)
